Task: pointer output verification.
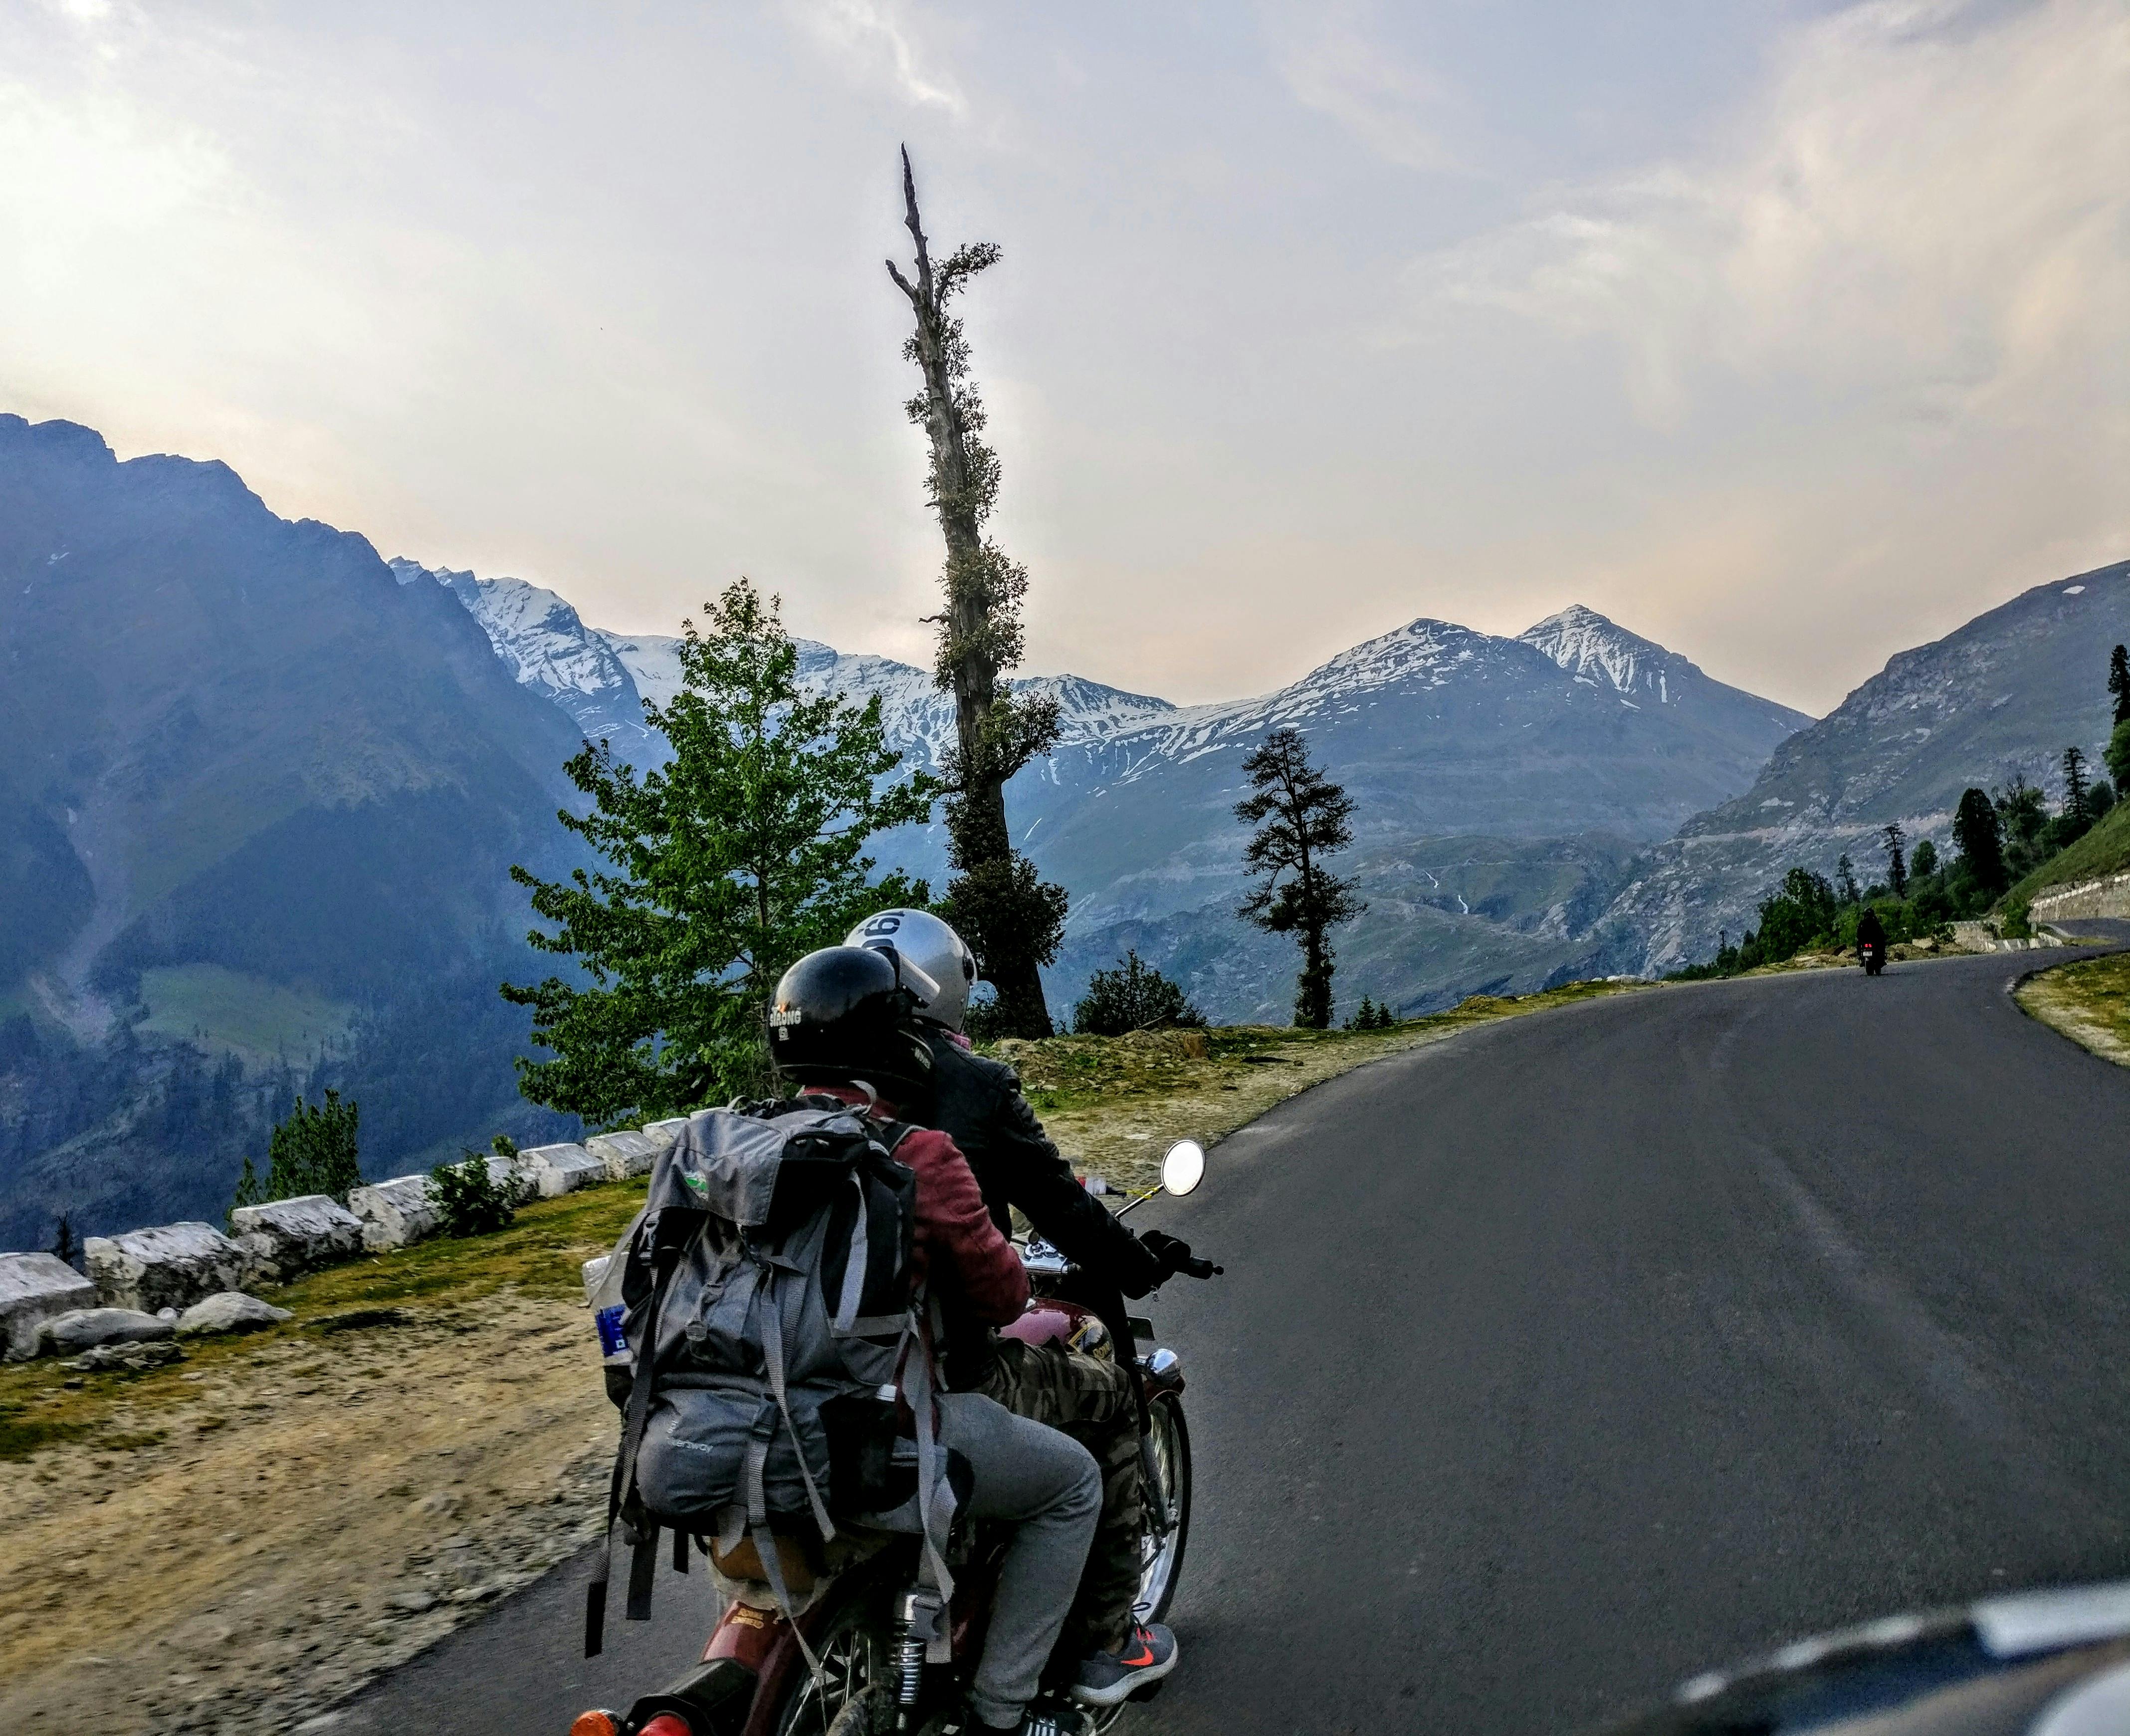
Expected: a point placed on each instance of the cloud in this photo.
(1334, 65)
(1928, 202)
(877, 39)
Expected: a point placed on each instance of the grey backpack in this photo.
(763, 1308)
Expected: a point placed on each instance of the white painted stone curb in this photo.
(393, 1213)
(172, 1266)
(625, 1154)
(35, 1288)
(288, 1238)
(559, 1169)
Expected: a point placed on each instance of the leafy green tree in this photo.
(1923, 864)
(1012, 918)
(1132, 997)
(2024, 813)
(1804, 911)
(315, 1150)
(470, 1202)
(2118, 682)
(2116, 754)
(1301, 818)
(1897, 867)
(1978, 834)
(2099, 799)
(743, 852)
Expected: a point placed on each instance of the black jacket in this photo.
(977, 1103)
(1870, 928)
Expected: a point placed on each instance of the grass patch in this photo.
(539, 1255)
(2088, 1002)
(2103, 851)
(220, 1009)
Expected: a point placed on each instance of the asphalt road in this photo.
(1559, 1362)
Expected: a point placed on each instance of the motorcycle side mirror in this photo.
(1184, 1167)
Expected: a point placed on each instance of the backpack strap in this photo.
(622, 1500)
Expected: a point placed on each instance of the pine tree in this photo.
(66, 1245)
(2118, 681)
(2073, 771)
(1922, 863)
(1845, 878)
(1977, 834)
(1302, 818)
(745, 851)
(1897, 866)
(1011, 918)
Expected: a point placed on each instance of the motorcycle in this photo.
(872, 1651)
(1873, 956)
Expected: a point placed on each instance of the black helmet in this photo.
(843, 1014)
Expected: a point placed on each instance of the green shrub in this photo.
(468, 1201)
(1133, 997)
(313, 1151)
(1371, 1016)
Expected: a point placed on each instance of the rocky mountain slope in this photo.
(236, 751)
(2001, 697)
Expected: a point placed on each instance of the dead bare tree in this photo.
(1014, 919)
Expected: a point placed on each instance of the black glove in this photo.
(1175, 1255)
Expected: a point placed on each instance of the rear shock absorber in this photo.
(916, 1628)
(909, 1656)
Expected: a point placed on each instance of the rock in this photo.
(86, 1328)
(662, 1134)
(559, 1169)
(172, 1266)
(130, 1358)
(231, 1311)
(411, 1603)
(394, 1212)
(625, 1154)
(506, 1174)
(34, 1288)
(288, 1238)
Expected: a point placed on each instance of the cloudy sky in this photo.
(1787, 333)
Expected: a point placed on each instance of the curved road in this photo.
(1562, 1359)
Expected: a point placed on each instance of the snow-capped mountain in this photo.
(2002, 696)
(1502, 784)
(547, 647)
(919, 717)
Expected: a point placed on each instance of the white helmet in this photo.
(921, 939)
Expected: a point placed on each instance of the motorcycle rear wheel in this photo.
(856, 1670)
(1161, 1558)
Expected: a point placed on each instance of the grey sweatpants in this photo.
(1047, 1485)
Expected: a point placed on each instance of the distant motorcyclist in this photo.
(1871, 938)
(978, 1102)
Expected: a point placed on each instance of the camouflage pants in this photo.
(1092, 1401)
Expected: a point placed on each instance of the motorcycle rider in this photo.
(842, 1028)
(1871, 932)
(978, 1103)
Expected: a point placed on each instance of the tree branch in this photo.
(917, 232)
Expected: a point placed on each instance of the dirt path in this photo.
(310, 1514)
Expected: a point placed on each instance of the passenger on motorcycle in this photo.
(843, 1030)
(978, 1103)
(1871, 932)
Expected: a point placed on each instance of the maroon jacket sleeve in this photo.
(961, 1246)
